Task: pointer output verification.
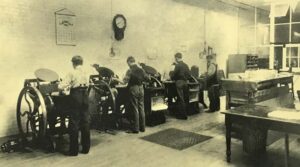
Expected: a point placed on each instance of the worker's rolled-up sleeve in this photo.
(66, 82)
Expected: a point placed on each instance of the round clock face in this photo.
(120, 22)
(119, 25)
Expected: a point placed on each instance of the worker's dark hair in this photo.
(130, 59)
(178, 55)
(77, 60)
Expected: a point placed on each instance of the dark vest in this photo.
(212, 80)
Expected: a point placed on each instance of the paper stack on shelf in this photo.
(258, 75)
(254, 75)
(159, 107)
(236, 76)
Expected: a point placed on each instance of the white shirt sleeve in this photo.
(66, 82)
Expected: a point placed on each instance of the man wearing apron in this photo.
(212, 85)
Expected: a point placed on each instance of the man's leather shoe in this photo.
(210, 111)
(132, 131)
(182, 117)
(85, 151)
(71, 154)
(142, 130)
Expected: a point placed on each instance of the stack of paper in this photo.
(159, 107)
(291, 115)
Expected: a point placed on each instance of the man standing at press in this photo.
(135, 76)
(181, 75)
(77, 81)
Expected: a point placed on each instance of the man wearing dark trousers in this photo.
(135, 77)
(212, 85)
(77, 82)
(181, 75)
(195, 74)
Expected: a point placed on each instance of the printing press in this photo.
(103, 99)
(155, 105)
(42, 110)
(116, 99)
(171, 94)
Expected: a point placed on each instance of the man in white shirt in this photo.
(77, 81)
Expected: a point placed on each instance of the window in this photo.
(263, 31)
(287, 33)
(292, 58)
(254, 31)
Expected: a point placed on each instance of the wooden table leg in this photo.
(228, 125)
(286, 150)
(227, 100)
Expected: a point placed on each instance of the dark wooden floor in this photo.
(125, 149)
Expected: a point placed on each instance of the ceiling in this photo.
(259, 3)
(242, 4)
(262, 4)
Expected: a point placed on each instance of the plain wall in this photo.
(156, 28)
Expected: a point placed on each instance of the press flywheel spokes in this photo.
(31, 114)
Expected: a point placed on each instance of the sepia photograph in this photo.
(150, 83)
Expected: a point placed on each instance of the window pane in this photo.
(292, 52)
(281, 33)
(278, 57)
(262, 35)
(294, 62)
(295, 33)
(283, 19)
(292, 57)
(296, 14)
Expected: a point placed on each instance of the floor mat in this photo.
(175, 138)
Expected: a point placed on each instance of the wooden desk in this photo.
(243, 114)
(240, 92)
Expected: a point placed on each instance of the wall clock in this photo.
(119, 25)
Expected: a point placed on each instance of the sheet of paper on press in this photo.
(159, 107)
(291, 115)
